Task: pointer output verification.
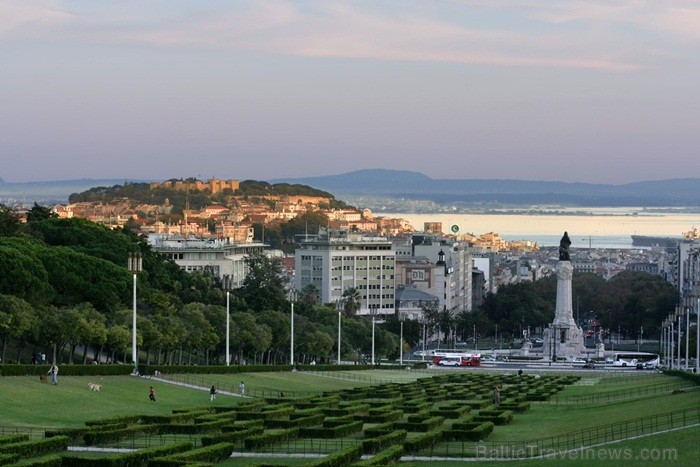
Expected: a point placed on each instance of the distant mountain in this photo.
(414, 185)
(51, 191)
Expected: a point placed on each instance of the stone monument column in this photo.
(564, 338)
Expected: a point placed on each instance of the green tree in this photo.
(39, 213)
(10, 223)
(351, 301)
(17, 318)
(263, 286)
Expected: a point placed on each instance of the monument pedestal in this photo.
(563, 338)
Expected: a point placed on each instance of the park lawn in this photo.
(71, 403)
(679, 447)
(595, 383)
(545, 420)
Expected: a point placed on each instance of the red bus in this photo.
(456, 358)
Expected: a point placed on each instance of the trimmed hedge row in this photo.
(267, 439)
(387, 456)
(140, 457)
(232, 436)
(330, 422)
(51, 460)
(213, 454)
(469, 431)
(76, 434)
(423, 441)
(340, 458)
(424, 426)
(7, 439)
(379, 430)
(109, 436)
(37, 447)
(297, 422)
(66, 370)
(348, 410)
(497, 417)
(174, 418)
(694, 377)
(372, 445)
(329, 433)
(381, 417)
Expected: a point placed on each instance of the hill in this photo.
(414, 185)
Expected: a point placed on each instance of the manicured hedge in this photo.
(101, 437)
(66, 370)
(8, 458)
(330, 422)
(37, 447)
(51, 460)
(7, 439)
(348, 410)
(388, 456)
(381, 417)
(180, 417)
(423, 426)
(240, 425)
(452, 411)
(422, 441)
(128, 419)
(469, 431)
(297, 422)
(232, 436)
(140, 457)
(372, 445)
(76, 434)
(379, 430)
(498, 417)
(213, 454)
(340, 458)
(192, 429)
(274, 437)
(328, 433)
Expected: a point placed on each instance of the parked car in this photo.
(449, 362)
(487, 359)
(590, 365)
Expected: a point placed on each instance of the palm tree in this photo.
(351, 301)
(310, 295)
(446, 322)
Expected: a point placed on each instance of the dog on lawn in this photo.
(42, 378)
(95, 387)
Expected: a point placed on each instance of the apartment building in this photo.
(218, 257)
(335, 260)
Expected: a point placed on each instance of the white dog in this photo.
(95, 387)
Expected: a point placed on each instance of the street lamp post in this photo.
(373, 311)
(227, 282)
(401, 318)
(292, 297)
(423, 322)
(135, 266)
(338, 304)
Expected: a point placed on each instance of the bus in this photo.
(450, 357)
(635, 359)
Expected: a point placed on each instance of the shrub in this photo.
(101, 437)
(387, 456)
(340, 458)
(498, 417)
(330, 422)
(379, 430)
(339, 431)
(232, 436)
(36, 447)
(7, 439)
(469, 431)
(52, 460)
(66, 370)
(298, 422)
(140, 457)
(372, 445)
(267, 439)
(423, 441)
(241, 425)
(382, 417)
(174, 418)
(423, 426)
(214, 453)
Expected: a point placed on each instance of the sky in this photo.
(594, 91)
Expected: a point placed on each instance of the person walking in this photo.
(242, 388)
(53, 371)
(212, 393)
(152, 394)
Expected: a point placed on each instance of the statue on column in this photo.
(564, 245)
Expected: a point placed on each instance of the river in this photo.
(611, 228)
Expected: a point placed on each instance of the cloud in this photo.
(16, 16)
(412, 31)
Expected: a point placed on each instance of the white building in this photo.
(336, 260)
(214, 256)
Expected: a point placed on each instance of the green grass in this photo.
(71, 403)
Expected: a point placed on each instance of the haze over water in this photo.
(613, 228)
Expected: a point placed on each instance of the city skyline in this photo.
(573, 91)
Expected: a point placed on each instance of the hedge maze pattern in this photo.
(383, 422)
